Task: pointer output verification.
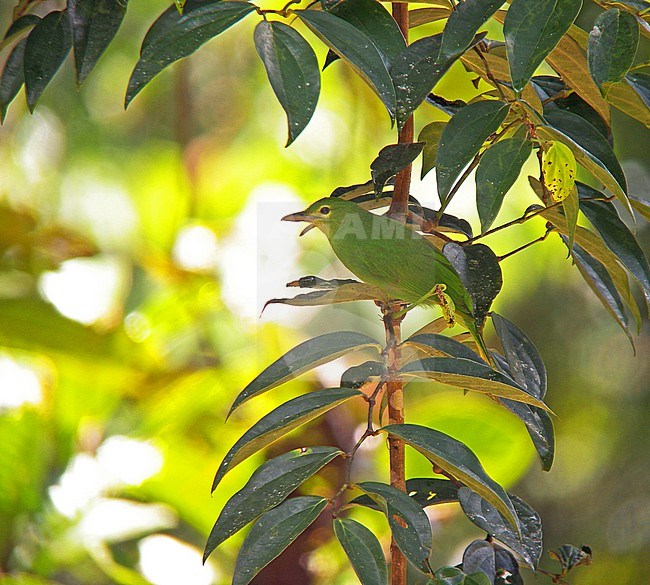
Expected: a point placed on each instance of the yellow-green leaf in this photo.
(559, 170)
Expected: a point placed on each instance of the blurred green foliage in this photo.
(133, 267)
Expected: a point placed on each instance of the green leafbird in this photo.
(392, 256)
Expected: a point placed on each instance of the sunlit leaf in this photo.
(641, 205)
(430, 135)
(611, 47)
(174, 36)
(94, 25)
(364, 551)
(420, 16)
(457, 459)
(462, 138)
(409, 524)
(273, 533)
(301, 359)
(532, 28)
(280, 422)
(392, 159)
(268, 486)
(441, 345)
(496, 173)
(559, 170)
(463, 24)
(629, 97)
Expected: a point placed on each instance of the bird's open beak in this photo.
(301, 216)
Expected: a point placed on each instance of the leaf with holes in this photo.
(364, 551)
(559, 170)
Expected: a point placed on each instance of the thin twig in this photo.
(489, 73)
(549, 230)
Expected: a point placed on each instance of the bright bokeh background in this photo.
(137, 250)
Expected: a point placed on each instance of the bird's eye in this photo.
(325, 210)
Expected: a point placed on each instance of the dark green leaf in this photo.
(532, 28)
(612, 47)
(449, 107)
(640, 82)
(463, 24)
(408, 523)
(616, 235)
(452, 223)
(292, 69)
(268, 486)
(415, 73)
(479, 557)
(19, 27)
(441, 345)
(487, 518)
(94, 25)
(356, 48)
(47, 47)
(570, 556)
(281, 421)
(496, 173)
(12, 78)
(371, 18)
(364, 551)
(457, 459)
(426, 491)
(454, 576)
(479, 271)
(174, 36)
(430, 135)
(273, 533)
(463, 137)
(392, 159)
(357, 376)
(302, 358)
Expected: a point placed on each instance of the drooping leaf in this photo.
(532, 28)
(462, 138)
(611, 47)
(479, 271)
(174, 36)
(479, 557)
(356, 48)
(570, 556)
(464, 23)
(416, 71)
(426, 491)
(47, 47)
(496, 174)
(376, 23)
(292, 69)
(358, 376)
(301, 359)
(268, 486)
(430, 135)
(617, 236)
(12, 78)
(279, 422)
(470, 375)
(19, 27)
(457, 459)
(94, 25)
(364, 551)
(486, 517)
(559, 170)
(273, 533)
(392, 159)
(345, 293)
(440, 345)
(409, 524)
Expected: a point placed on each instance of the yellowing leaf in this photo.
(559, 170)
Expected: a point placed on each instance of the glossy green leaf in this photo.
(47, 47)
(409, 524)
(437, 345)
(470, 375)
(426, 491)
(94, 25)
(532, 28)
(415, 73)
(457, 459)
(479, 271)
(617, 236)
(268, 486)
(611, 47)
(464, 23)
(462, 138)
(496, 173)
(302, 358)
(479, 557)
(364, 551)
(18, 28)
(392, 159)
(174, 36)
(371, 18)
(358, 376)
(430, 135)
(12, 78)
(281, 421)
(292, 69)
(449, 107)
(454, 576)
(601, 283)
(356, 48)
(488, 518)
(273, 533)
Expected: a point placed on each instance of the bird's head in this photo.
(319, 214)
